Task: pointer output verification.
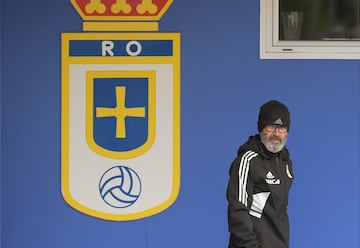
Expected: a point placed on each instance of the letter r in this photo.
(107, 47)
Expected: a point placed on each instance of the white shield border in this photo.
(67, 61)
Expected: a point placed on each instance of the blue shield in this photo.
(120, 121)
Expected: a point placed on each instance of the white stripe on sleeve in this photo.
(243, 175)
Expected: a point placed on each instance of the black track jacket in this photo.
(257, 195)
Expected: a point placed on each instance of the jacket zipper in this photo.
(284, 187)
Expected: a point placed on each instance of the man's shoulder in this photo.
(247, 156)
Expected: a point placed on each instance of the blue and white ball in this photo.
(120, 187)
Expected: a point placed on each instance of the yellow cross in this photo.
(120, 112)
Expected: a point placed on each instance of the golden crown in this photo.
(120, 10)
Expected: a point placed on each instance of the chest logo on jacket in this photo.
(120, 111)
(270, 179)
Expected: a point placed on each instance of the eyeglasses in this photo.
(272, 128)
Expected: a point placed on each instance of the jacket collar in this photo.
(254, 143)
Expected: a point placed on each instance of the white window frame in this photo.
(273, 48)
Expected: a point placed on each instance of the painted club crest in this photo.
(120, 111)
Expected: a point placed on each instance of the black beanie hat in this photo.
(273, 113)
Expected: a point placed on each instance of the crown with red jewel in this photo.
(119, 11)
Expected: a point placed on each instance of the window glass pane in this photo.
(314, 20)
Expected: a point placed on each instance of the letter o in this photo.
(133, 43)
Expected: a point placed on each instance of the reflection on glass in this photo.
(319, 20)
(291, 24)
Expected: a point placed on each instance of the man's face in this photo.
(274, 137)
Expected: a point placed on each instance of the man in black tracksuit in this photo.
(260, 180)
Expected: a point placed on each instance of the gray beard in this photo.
(274, 148)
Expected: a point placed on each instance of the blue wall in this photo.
(223, 84)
